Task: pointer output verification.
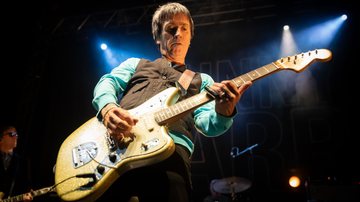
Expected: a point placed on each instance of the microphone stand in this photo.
(235, 152)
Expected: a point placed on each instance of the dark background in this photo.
(51, 63)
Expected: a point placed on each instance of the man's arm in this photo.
(216, 117)
(111, 85)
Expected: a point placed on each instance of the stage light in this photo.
(294, 181)
(110, 55)
(103, 46)
(344, 17)
(322, 34)
(288, 44)
(114, 50)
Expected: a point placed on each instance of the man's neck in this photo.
(173, 61)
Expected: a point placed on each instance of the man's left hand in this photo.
(228, 96)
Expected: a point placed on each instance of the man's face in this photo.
(175, 38)
(9, 138)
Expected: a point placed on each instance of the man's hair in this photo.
(3, 128)
(166, 12)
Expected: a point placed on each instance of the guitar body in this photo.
(88, 150)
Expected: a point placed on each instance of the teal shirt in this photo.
(207, 121)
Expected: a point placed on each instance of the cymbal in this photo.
(231, 185)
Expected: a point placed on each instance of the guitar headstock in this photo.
(299, 62)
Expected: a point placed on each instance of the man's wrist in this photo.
(105, 110)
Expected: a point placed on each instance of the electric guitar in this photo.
(89, 160)
(33, 193)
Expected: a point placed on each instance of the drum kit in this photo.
(231, 185)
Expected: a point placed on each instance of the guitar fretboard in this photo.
(172, 112)
(256, 74)
(21, 197)
(13, 199)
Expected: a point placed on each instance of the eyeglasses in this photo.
(12, 134)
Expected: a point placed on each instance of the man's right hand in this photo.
(118, 121)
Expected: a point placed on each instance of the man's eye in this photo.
(172, 30)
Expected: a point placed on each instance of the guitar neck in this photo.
(256, 74)
(21, 197)
(14, 199)
(296, 63)
(178, 110)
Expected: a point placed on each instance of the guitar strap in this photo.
(184, 81)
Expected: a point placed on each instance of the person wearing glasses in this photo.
(13, 179)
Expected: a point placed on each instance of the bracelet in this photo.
(106, 112)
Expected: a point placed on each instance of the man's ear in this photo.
(158, 42)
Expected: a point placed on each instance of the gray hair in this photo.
(166, 12)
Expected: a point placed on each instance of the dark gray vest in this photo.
(152, 77)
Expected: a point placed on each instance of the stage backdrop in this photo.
(294, 122)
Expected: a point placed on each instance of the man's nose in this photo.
(177, 32)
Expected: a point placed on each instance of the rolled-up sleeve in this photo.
(207, 120)
(113, 84)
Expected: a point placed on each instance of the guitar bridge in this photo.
(84, 153)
